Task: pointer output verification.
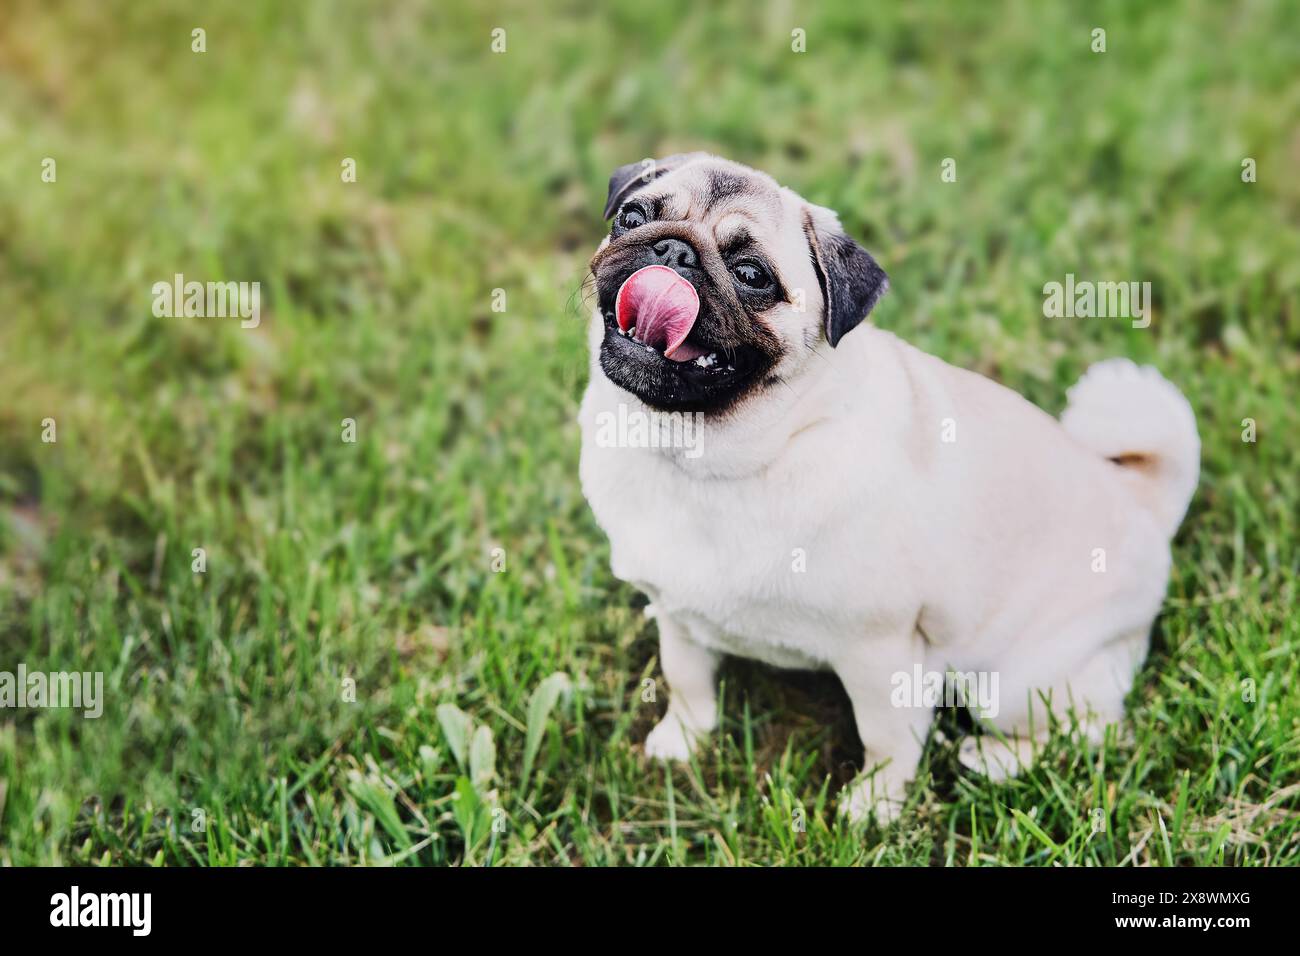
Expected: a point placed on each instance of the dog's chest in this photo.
(749, 566)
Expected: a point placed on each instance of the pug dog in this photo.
(849, 502)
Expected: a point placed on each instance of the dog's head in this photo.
(772, 277)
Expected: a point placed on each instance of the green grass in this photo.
(373, 561)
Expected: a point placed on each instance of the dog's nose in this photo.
(675, 254)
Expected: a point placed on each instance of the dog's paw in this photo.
(670, 740)
(862, 801)
(995, 759)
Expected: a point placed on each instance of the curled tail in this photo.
(1139, 420)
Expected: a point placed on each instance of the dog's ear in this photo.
(851, 281)
(633, 176)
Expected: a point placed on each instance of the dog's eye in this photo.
(629, 217)
(752, 275)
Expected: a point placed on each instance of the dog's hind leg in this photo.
(1092, 692)
(998, 758)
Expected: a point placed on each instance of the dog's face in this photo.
(775, 278)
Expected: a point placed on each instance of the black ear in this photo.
(633, 176)
(851, 281)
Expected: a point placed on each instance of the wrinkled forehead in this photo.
(734, 203)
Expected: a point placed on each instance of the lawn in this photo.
(363, 673)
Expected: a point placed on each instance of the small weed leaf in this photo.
(471, 816)
(374, 797)
(456, 726)
(482, 759)
(540, 706)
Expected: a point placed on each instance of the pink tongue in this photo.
(663, 306)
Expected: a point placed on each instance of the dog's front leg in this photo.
(690, 669)
(893, 731)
